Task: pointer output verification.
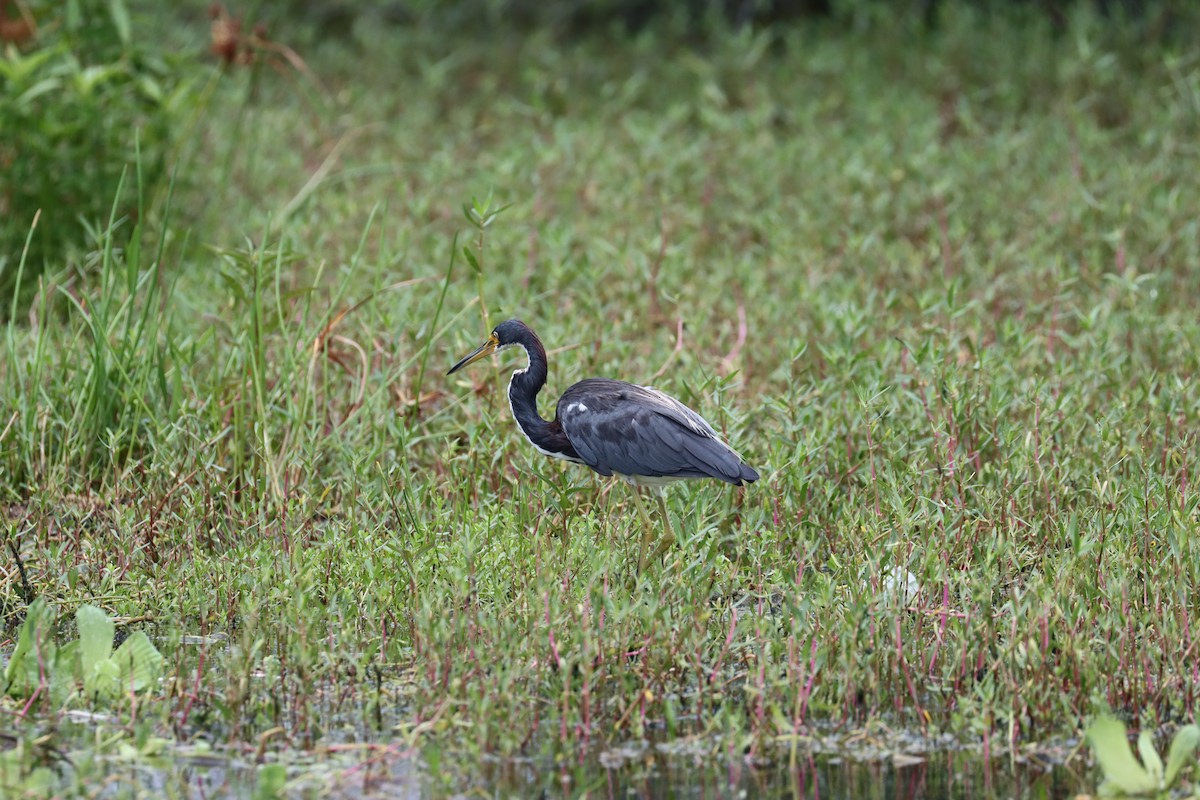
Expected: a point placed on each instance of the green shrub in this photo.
(83, 104)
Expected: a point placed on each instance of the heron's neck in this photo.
(546, 435)
(523, 391)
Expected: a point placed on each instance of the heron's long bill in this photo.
(483, 351)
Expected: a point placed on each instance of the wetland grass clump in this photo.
(947, 317)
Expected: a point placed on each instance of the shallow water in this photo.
(638, 771)
(397, 773)
(357, 761)
(819, 778)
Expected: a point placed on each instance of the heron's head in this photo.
(507, 333)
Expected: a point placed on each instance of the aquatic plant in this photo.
(134, 666)
(1124, 775)
(38, 666)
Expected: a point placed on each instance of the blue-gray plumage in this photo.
(641, 434)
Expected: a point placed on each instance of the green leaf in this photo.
(91, 77)
(470, 256)
(40, 780)
(491, 217)
(38, 89)
(22, 674)
(272, 779)
(24, 644)
(1150, 758)
(1121, 770)
(95, 637)
(120, 18)
(150, 88)
(1183, 748)
(233, 285)
(139, 661)
(65, 674)
(18, 68)
(154, 745)
(102, 679)
(472, 215)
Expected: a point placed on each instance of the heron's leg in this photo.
(647, 527)
(669, 539)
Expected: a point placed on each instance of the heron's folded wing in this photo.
(630, 430)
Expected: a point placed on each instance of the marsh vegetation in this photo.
(938, 286)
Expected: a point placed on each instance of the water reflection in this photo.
(666, 771)
(947, 776)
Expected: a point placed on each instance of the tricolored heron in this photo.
(640, 434)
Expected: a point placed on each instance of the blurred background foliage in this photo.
(83, 98)
(94, 90)
(698, 17)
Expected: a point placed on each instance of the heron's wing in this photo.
(632, 430)
(670, 407)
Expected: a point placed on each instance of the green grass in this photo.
(937, 288)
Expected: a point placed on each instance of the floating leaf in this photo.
(1122, 771)
(1183, 748)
